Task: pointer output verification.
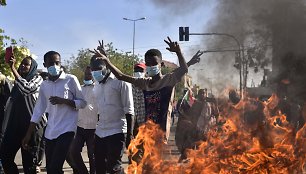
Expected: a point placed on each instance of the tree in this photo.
(20, 51)
(3, 2)
(77, 64)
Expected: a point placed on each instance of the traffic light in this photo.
(183, 33)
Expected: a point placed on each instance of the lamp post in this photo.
(134, 21)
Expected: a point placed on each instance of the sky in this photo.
(68, 26)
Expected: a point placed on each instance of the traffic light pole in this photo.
(184, 36)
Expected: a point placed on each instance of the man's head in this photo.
(87, 73)
(202, 94)
(88, 76)
(139, 70)
(52, 61)
(153, 60)
(98, 68)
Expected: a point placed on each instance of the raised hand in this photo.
(12, 62)
(196, 58)
(99, 54)
(173, 46)
(101, 48)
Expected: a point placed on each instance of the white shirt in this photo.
(88, 117)
(114, 99)
(61, 118)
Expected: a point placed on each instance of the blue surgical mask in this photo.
(152, 70)
(88, 82)
(54, 70)
(98, 75)
(139, 74)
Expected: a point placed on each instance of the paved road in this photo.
(67, 169)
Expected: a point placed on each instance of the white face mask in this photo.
(88, 82)
(54, 70)
(98, 75)
(139, 74)
(152, 70)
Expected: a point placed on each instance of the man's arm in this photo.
(130, 128)
(27, 137)
(119, 74)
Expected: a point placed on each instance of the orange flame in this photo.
(252, 140)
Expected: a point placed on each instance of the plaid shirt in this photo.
(139, 105)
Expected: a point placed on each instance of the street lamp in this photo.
(134, 21)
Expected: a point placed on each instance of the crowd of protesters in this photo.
(52, 113)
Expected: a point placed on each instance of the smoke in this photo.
(267, 29)
(179, 6)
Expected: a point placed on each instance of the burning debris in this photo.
(254, 137)
(251, 136)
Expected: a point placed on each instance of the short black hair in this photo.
(153, 52)
(94, 59)
(49, 54)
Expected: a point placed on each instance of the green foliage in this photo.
(77, 64)
(3, 2)
(123, 61)
(19, 52)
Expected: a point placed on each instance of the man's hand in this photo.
(12, 62)
(101, 48)
(173, 46)
(99, 54)
(196, 58)
(56, 100)
(100, 51)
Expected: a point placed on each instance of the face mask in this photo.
(54, 70)
(139, 74)
(152, 70)
(98, 75)
(88, 82)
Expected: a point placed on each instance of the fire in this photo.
(254, 138)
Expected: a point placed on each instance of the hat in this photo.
(140, 65)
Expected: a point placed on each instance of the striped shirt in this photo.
(139, 105)
(30, 91)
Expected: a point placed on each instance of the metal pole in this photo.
(134, 29)
(240, 50)
(134, 37)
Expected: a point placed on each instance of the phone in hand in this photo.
(8, 54)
